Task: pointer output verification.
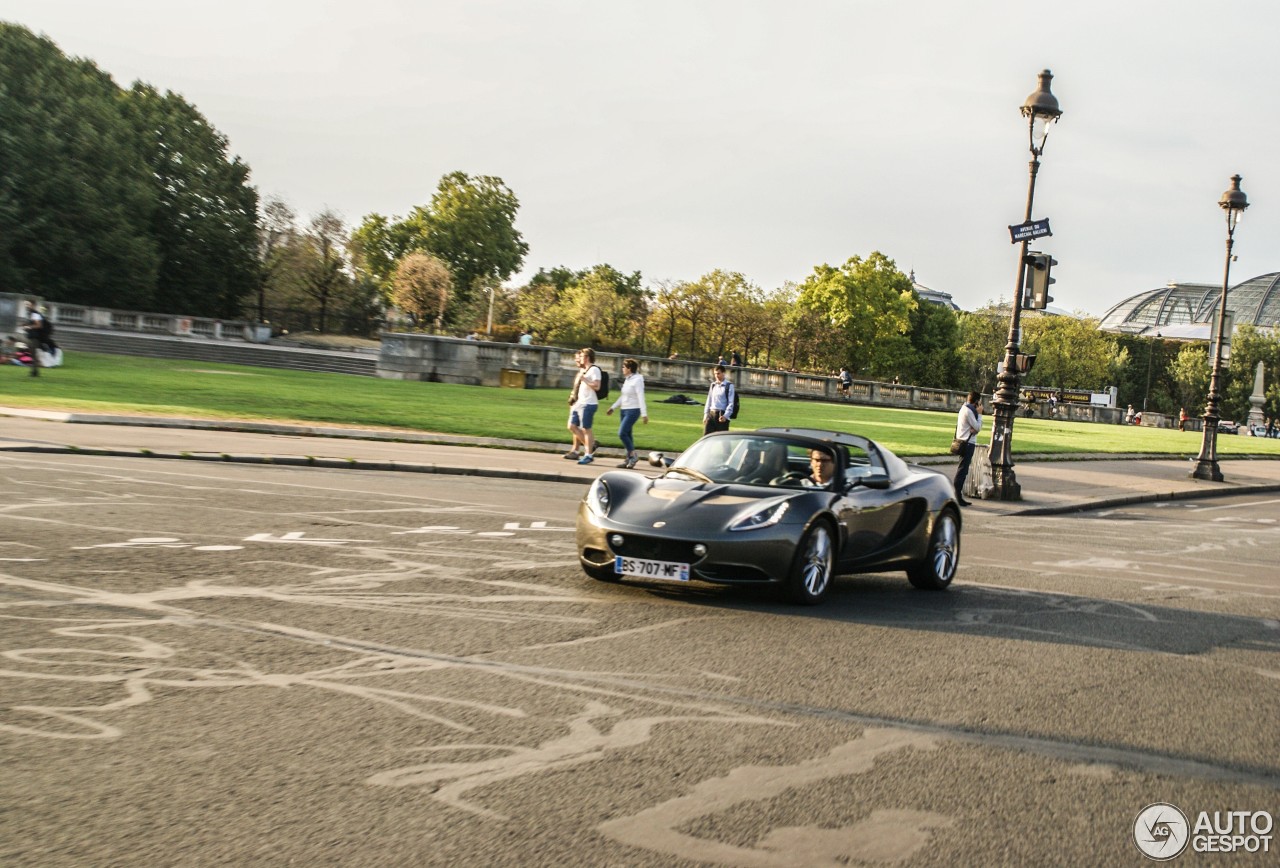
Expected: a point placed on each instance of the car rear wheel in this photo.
(810, 577)
(938, 568)
(601, 574)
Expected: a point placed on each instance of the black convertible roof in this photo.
(838, 437)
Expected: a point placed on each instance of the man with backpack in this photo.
(721, 402)
(583, 401)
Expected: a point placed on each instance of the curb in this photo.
(1131, 499)
(305, 461)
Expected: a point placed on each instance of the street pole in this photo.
(1233, 202)
(1040, 110)
(489, 328)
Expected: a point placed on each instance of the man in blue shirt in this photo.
(719, 409)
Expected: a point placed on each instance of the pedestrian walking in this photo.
(968, 424)
(631, 407)
(39, 332)
(720, 400)
(583, 402)
(846, 382)
(735, 360)
(1182, 419)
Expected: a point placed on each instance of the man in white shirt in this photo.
(968, 424)
(583, 402)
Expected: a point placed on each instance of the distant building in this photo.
(1187, 310)
(933, 296)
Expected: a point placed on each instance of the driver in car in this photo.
(822, 468)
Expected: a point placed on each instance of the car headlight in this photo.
(598, 497)
(759, 517)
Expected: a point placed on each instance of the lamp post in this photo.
(1151, 356)
(1041, 110)
(489, 328)
(1233, 202)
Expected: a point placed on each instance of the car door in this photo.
(868, 515)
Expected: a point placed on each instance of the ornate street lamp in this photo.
(1233, 202)
(1041, 111)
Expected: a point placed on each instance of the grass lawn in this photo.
(95, 383)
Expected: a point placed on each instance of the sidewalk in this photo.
(1049, 485)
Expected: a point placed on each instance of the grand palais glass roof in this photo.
(1256, 301)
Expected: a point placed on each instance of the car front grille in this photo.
(656, 549)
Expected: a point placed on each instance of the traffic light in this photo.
(1038, 280)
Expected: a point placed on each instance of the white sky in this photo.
(677, 136)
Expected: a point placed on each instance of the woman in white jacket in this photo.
(631, 403)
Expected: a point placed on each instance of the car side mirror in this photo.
(660, 459)
(878, 480)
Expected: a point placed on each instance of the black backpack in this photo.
(603, 391)
(737, 401)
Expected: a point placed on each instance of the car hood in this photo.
(640, 501)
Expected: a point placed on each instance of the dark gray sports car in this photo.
(785, 506)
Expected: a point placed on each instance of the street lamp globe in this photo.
(1233, 201)
(1041, 110)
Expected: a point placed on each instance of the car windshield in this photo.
(748, 459)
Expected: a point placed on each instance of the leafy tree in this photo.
(276, 230)
(1070, 353)
(983, 335)
(205, 219)
(868, 301)
(1249, 346)
(325, 279)
(470, 224)
(77, 201)
(1190, 374)
(935, 356)
(379, 243)
(420, 287)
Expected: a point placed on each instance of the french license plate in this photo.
(665, 571)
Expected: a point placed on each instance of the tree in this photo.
(325, 275)
(420, 287)
(76, 197)
(1190, 374)
(1249, 346)
(983, 335)
(868, 301)
(206, 214)
(935, 357)
(470, 224)
(1070, 353)
(276, 230)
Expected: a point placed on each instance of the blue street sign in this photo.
(1027, 231)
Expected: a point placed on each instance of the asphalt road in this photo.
(229, 664)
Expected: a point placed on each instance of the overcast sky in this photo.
(673, 138)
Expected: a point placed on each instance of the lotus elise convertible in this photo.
(786, 507)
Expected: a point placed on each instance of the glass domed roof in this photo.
(1256, 301)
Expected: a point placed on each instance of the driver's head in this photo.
(822, 466)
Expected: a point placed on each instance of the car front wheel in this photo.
(938, 568)
(811, 573)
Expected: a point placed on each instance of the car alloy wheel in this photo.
(938, 568)
(811, 574)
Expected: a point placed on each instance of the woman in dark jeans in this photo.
(968, 424)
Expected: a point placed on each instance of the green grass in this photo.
(94, 383)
